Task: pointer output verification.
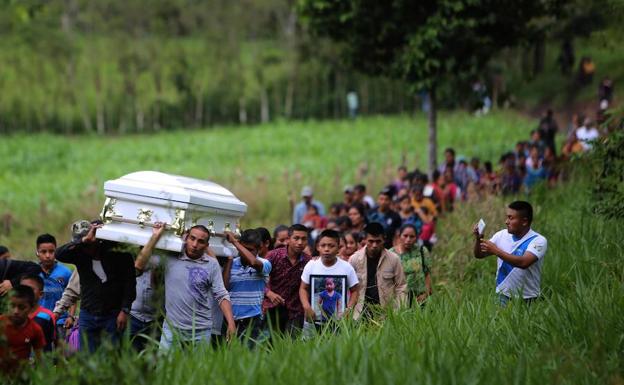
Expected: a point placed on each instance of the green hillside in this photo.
(50, 181)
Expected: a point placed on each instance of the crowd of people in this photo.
(360, 255)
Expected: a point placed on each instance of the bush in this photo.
(607, 159)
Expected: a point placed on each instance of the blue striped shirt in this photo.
(247, 288)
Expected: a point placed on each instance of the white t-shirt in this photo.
(525, 281)
(584, 135)
(341, 267)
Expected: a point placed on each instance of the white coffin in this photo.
(136, 201)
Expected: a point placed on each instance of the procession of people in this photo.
(360, 258)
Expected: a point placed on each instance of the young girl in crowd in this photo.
(352, 244)
(312, 219)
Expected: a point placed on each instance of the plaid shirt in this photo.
(285, 279)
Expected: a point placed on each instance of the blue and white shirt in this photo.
(247, 288)
(54, 285)
(512, 281)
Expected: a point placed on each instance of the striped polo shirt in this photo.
(247, 288)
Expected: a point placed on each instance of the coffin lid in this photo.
(177, 188)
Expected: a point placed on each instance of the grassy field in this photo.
(575, 335)
(47, 182)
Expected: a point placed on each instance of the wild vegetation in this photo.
(127, 66)
(572, 336)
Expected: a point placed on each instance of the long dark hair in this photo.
(362, 210)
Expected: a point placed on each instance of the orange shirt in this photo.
(428, 203)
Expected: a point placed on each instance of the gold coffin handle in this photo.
(109, 215)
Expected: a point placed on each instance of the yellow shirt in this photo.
(428, 203)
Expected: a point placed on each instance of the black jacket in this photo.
(13, 270)
(117, 292)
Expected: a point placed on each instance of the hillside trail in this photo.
(563, 114)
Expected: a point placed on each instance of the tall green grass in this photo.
(49, 181)
(575, 335)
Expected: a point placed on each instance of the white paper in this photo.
(481, 226)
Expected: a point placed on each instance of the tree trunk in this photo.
(433, 140)
(242, 111)
(100, 121)
(290, 96)
(364, 93)
(526, 62)
(264, 105)
(140, 118)
(290, 32)
(199, 110)
(538, 56)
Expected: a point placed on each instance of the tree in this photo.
(424, 42)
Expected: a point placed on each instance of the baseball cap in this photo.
(80, 228)
(348, 189)
(306, 191)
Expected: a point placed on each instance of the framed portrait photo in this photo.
(328, 296)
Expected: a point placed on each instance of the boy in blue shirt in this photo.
(245, 277)
(55, 277)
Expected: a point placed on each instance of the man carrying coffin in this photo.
(107, 284)
(191, 278)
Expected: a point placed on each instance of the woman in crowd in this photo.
(416, 263)
(357, 215)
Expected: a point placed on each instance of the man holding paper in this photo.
(520, 252)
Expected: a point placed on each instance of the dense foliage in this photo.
(121, 66)
(118, 66)
(427, 43)
(608, 161)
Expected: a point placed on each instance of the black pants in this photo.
(278, 321)
(251, 330)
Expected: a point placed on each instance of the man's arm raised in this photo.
(478, 253)
(244, 253)
(148, 249)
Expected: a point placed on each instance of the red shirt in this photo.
(20, 340)
(427, 231)
(42, 309)
(285, 279)
(47, 322)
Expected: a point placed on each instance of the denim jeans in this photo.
(251, 331)
(138, 332)
(93, 327)
(171, 336)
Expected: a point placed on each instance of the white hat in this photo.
(306, 191)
